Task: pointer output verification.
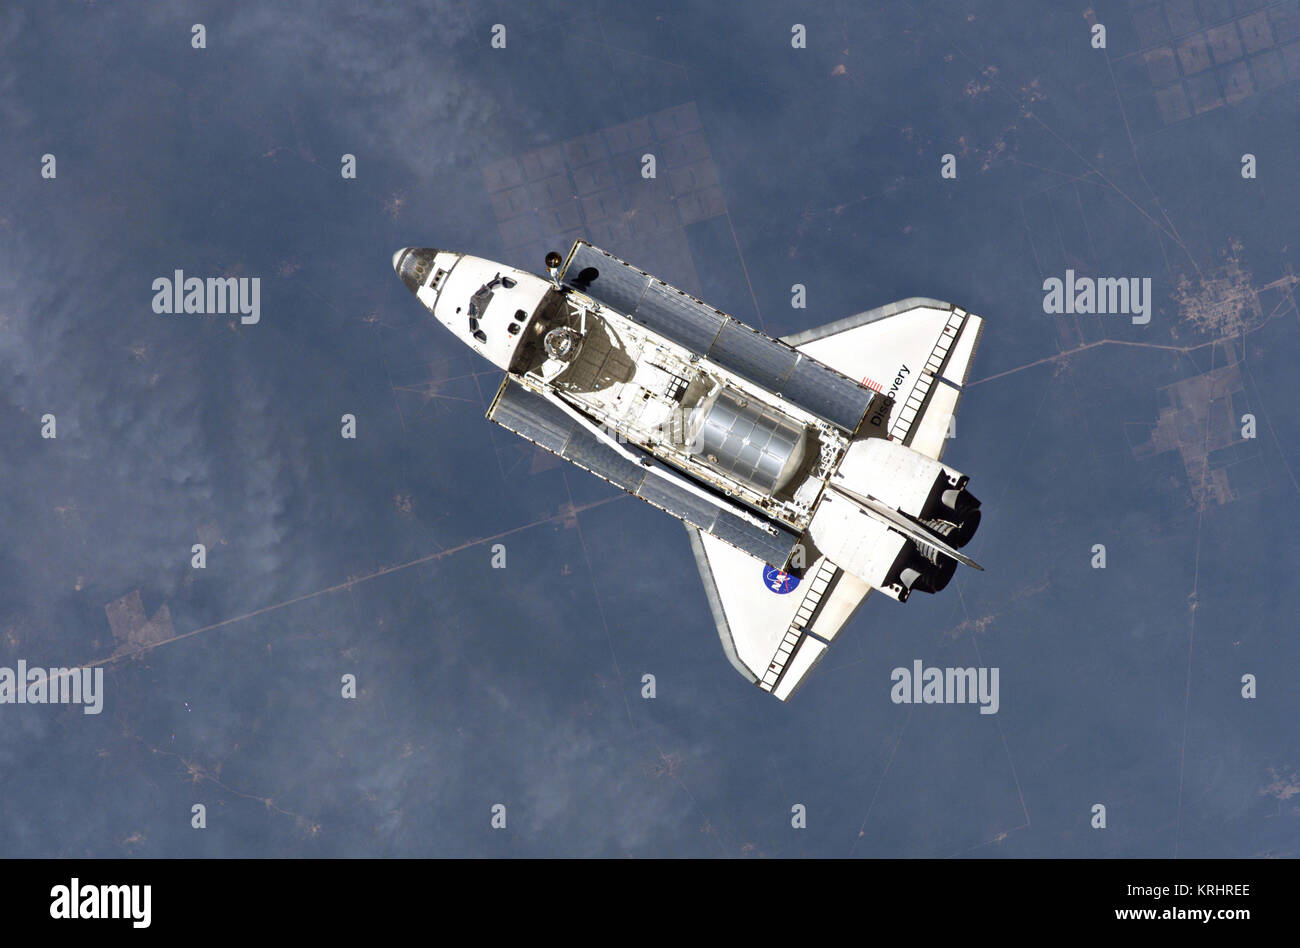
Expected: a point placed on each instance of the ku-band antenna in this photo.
(553, 261)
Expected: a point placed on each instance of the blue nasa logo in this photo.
(777, 581)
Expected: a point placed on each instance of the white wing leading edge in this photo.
(774, 627)
(917, 351)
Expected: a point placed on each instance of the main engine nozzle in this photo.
(961, 502)
(924, 569)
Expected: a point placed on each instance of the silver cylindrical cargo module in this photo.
(746, 439)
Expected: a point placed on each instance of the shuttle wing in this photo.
(774, 628)
(917, 351)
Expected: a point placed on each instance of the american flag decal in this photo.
(873, 385)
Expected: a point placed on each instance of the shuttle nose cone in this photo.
(413, 265)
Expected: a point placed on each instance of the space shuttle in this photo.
(808, 470)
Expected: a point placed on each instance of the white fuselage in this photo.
(631, 385)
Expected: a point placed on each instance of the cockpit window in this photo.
(482, 298)
(478, 303)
